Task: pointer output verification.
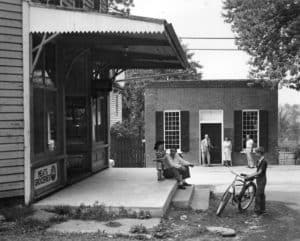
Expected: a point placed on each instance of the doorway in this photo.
(214, 131)
(77, 138)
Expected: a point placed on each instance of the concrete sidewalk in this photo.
(132, 188)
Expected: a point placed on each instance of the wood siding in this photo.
(115, 107)
(11, 100)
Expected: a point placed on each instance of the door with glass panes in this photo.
(99, 111)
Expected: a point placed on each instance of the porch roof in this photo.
(122, 42)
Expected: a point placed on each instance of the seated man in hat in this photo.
(176, 167)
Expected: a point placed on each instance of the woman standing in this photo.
(227, 149)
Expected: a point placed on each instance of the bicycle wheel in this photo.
(246, 196)
(224, 200)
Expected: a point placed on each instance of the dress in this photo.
(249, 149)
(227, 148)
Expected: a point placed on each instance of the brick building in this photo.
(181, 112)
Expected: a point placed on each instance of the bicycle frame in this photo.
(233, 185)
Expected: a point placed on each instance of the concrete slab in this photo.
(182, 198)
(124, 227)
(200, 200)
(132, 188)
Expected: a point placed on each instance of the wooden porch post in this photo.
(27, 45)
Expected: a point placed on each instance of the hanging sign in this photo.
(45, 176)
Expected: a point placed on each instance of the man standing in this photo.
(205, 150)
(249, 150)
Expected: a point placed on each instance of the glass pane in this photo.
(101, 117)
(76, 127)
(51, 114)
(38, 120)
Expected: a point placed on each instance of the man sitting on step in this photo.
(176, 167)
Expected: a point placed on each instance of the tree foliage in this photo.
(289, 128)
(120, 6)
(269, 30)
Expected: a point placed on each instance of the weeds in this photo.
(138, 229)
(98, 212)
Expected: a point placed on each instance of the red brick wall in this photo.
(193, 99)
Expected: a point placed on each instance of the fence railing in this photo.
(127, 152)
(95, 5)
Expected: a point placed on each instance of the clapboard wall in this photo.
(11, 100)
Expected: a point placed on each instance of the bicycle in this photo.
(245, 196)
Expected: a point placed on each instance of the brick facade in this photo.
(193, 96)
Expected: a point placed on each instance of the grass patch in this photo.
(138, 229)
(13, 214)
(98, 212)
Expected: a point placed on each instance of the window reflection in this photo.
(76, 120)
(99, 115)
(44, 102)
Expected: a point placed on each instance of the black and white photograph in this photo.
(174, 120)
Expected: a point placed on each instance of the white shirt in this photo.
(249, 144)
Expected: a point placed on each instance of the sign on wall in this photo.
(45, 176)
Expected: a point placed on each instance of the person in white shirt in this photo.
(227, 149)
(205, 150)
(249, 150)
(176, 167)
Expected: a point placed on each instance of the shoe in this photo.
(186, 184)
(181, 186)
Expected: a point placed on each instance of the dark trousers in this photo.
(260, 197)
(178, 173)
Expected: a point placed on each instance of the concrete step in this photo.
(200, 199)
(182, 198)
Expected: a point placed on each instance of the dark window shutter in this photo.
(238, 128)
(263, 129)
(159, 125)
(185, 131)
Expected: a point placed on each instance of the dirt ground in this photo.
(280, 223)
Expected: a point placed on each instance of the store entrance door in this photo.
(77, 138)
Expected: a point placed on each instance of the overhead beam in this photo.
(102, 54)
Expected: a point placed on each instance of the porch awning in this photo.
(121, 42)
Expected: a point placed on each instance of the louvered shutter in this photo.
(159, 125)
(185, 130)
(238, 129)
(263, 129)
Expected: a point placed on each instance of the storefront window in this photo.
(45, 102)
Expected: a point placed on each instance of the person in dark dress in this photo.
(261, 181)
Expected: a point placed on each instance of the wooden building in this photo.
(58, 59)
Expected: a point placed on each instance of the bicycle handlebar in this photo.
(236, 174)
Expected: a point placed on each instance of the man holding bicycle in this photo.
(261, 181)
